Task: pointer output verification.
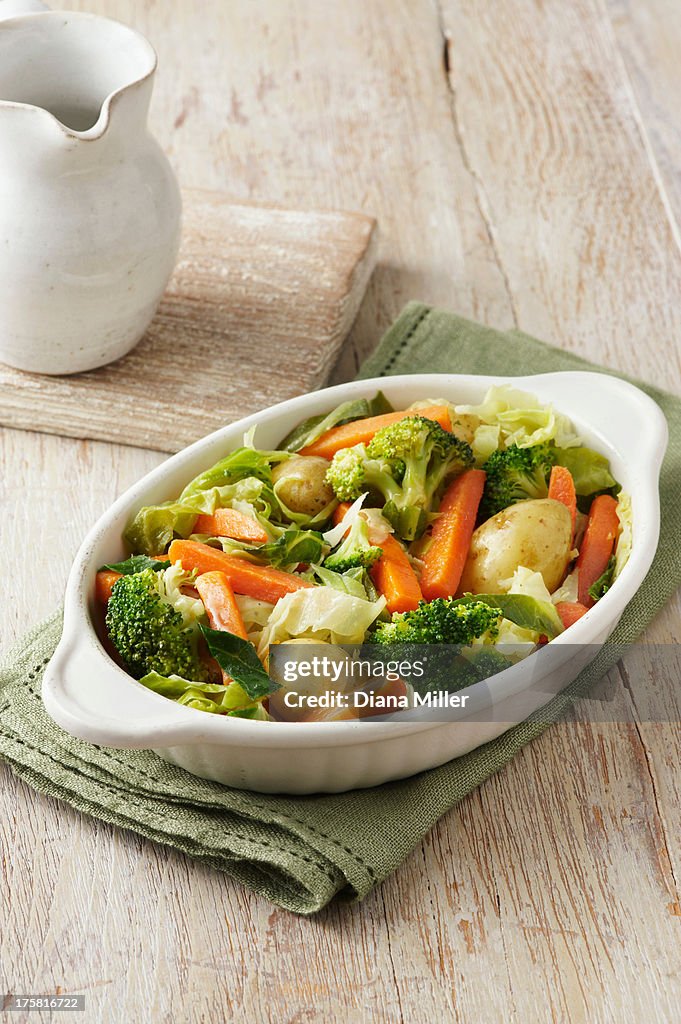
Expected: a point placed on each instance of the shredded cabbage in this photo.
(625, 539)
(349, 582)
(522, 419)
(215, 698)
(170, 580)
(485, 441)
(253, 612)
(530, 584)
(335, 535)
(320, 613)
(568, 590)
(526, 581)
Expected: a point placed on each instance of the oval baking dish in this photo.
(91, 697)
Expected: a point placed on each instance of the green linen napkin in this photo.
(301, 852)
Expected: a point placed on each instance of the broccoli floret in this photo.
(515, 474)
(406, 462)
(150, 634)
(422, 456)
(442, 621)
(352, 471)
(356, 550)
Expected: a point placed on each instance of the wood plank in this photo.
(259, 305)
(647, 37)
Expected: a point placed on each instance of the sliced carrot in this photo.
(104, 584)
(597, 545)
(395, 578)
(361, 431)
(570, 612)
(227, 522)
(340, 512)
(217, 595)
(445, 557)
(562, 489)
(259, 581)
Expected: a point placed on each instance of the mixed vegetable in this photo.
(486, 530)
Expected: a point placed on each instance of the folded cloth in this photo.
(301, 852)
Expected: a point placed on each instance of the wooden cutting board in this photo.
(256, 312)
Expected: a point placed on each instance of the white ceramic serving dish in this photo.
(91, 697)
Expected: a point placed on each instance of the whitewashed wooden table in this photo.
(524, 161)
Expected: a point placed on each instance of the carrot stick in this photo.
(562, 489)
(217, 595)
(259, 581)
(395, 578)
(227, 522)
(445, 558)
(597, 546)
(340, 512)
(570, 612)
(361, 431)
(104, 584)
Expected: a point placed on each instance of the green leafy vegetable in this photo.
(590, 470)
(349, 582)
(238, 658)
(215, 698)
(625, 539)
(244, 475)
(604, 581)
(522, 419)
(321, 614)
(238, 465)
(525, 611)
(291, 547)
(356, 409)
(136, 563)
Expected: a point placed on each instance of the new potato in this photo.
(300, 482)
(536, 534)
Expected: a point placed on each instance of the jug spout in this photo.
(76, 68)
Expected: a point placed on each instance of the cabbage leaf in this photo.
(590, 470)
(215, 698)
(245, 476)
(522, 419)
(625, 539)
(356, 409)
(320, 613)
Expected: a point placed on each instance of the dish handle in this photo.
(95, 700)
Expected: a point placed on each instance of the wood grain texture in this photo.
(256, 312)
(501, 148)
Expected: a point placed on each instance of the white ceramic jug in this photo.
(89, 206)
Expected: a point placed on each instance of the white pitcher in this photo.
(89, 206)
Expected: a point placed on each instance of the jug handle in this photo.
(14, 8)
